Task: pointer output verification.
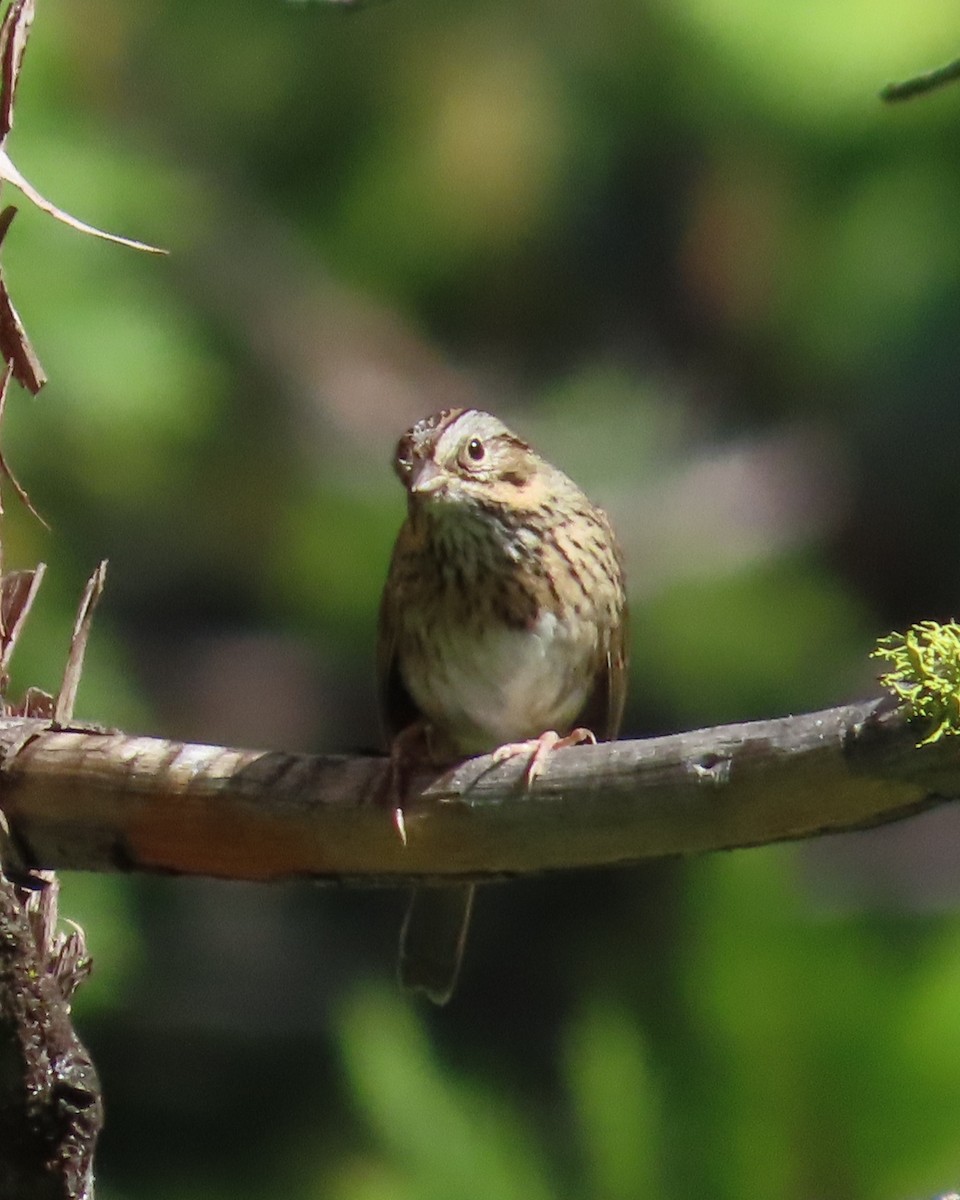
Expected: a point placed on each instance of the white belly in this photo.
(508, 685)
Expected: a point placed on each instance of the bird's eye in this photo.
(475, 450)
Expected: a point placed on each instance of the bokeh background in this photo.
(682, 246)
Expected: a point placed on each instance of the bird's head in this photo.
(461, 456)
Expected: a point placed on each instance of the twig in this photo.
(66, 697)
(919, 85)
(98, 801)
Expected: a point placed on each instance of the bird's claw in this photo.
(540, 748)
(400, 824)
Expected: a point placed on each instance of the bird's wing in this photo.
(603, 710)
(397, 707)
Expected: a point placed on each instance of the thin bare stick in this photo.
(4, 465)
(18, 589)
(67, 696)
(920, 85)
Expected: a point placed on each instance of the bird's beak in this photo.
(426, 478)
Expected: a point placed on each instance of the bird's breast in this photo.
(481, 687)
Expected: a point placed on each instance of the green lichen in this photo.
(924, 674)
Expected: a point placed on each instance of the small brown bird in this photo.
(503, 626)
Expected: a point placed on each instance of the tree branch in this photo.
(50, 1107)
(103, 801)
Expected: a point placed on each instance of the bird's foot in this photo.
(540, 748)
(408, 750)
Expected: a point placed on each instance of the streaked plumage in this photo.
(503, 616)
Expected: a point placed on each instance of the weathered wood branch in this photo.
(103, 801)
(50, 1107)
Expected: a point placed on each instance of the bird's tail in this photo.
(432, 939)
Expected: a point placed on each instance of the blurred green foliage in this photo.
(811, 1068)
(681, 245)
